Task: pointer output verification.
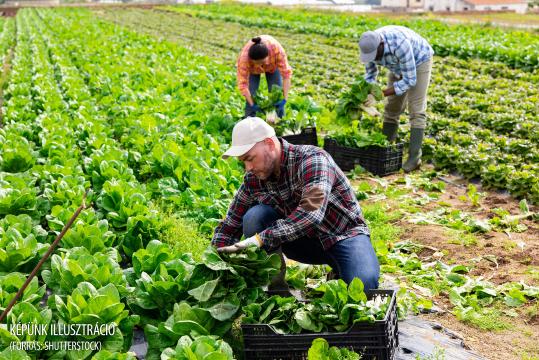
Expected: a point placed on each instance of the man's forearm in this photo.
(286, 87)
(371, 72)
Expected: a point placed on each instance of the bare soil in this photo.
(499, 257)
(519, 342)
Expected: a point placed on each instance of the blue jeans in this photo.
(349, 258)
(254, 83)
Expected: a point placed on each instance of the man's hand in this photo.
(253, 240)
(389, 91)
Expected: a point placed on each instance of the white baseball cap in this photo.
(368, 45)
(246, 134)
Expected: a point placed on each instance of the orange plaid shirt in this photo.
(276, 60)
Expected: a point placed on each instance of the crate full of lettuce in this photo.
(360, 143)
(345, 316)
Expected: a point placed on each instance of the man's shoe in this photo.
(414, 150)
(390, 131)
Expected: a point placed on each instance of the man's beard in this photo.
(269, 169)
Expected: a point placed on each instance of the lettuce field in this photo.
(134, 108)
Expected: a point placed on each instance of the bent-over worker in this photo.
(408, 56)
(295, 198)
(263, 55)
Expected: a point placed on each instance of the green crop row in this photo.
(518, 49)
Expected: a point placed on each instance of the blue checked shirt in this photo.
(404, 50)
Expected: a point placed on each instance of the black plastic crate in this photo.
(378, 160)
(378, 340)
(307, 136)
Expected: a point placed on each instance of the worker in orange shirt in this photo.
(263, 54)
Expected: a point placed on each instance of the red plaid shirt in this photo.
(331, 215)
(276, 60)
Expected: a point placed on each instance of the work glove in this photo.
(370, 101)
(256, 109)
(279, 106)
(371, 110)
(369, 106)
(253, 240)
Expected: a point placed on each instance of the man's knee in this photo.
(418, 120)
(392, 113)
(369, 278)
(257, 219)
(391, 118)
(355, 257)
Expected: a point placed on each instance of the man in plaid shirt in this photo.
(408, 57)
(297, 199)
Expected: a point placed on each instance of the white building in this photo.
(409, 4)
(441, 5)
(30, 3)
(518, 6)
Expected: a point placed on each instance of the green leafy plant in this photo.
(186, 320)
(219, 283)
(302, 112)
(79, 265)
(103, 306)
(298, 275)
(19, 247)
(18, 196)
(110, 355)
(358, 138)
(88, 231)
(16, 154)
(454, 219)
(126, 208)
(202, 347)
(267, 102)
(504, 221)
(12, 282)
(473, 195)
(24, 313)
(333, 307)
(320, 350)
(351, 103)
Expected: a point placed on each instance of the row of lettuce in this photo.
(518, 49)
(482, 116)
